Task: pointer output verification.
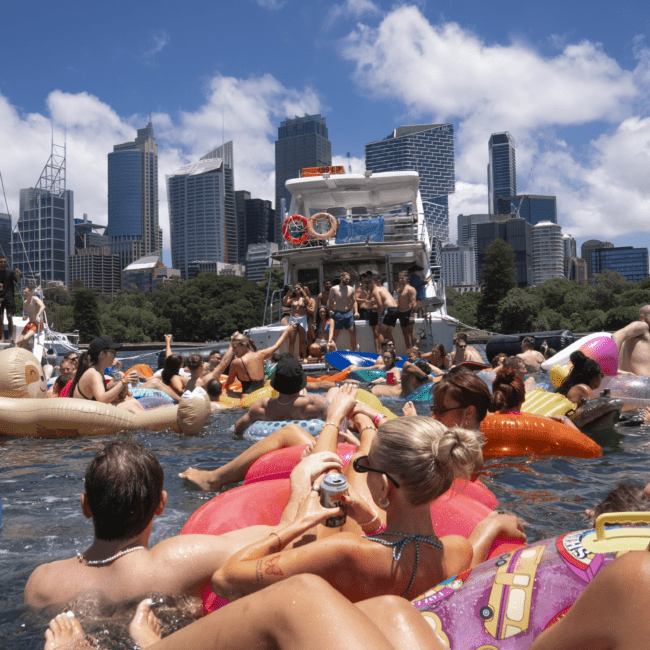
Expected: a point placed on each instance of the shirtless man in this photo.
(387, 309)
(532, 358)
(123, 493)
(8, 278)
(299, 303)
(406, 305)
(414, 373)
(463, 351)
(368, 306)
(34, 308)
(342, 304)
(212, 362)
(324, 295)
(633, 343)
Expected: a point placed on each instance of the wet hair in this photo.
(508, 391)
(415, 349)
(464, 387)
(213, 388)
(498, 359)
(423, 366)
(627, 497)
(425, 456)
(390, 351)
(173, 364)
(194, 361)
(583, 371)
(237, 337)
(59, 383)
(443, 352)
(123, 486)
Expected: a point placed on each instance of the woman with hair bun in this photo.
(508, 392)
(397, 473)
(583, 380)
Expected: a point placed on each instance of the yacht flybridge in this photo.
(377, 224)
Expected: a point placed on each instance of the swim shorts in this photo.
(370, 315)
(301, 320)
(30, 327)
(8, 304)
(404, 318)
(343, 320)
(390, 317)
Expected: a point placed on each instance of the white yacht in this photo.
(381, 228)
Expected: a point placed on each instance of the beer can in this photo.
(333, 487)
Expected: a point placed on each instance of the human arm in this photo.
(255, 413)
(168, 345)
(94, 386)
(486, 531)
(41, 308)
(413, 300)
(330, 330)
(221, 366)
(286, 301)
(268, 352)
(636, 329)
(311, 306)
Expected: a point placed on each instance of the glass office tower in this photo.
(631, 263)
(517, 234)
(501, 171)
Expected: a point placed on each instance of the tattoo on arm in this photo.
(272, 567)
(259, 575)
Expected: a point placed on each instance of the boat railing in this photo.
(276, 295)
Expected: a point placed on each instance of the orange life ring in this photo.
(334, 225)
(286, 229)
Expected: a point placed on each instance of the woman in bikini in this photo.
(401, 469)
(248, 364)
(320, 332)
(585, 377)
(88, 382)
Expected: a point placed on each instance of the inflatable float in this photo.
(342, 360)
(261, 429)
(598, 346)
(506, 602)
(26, 411)
(510, 344)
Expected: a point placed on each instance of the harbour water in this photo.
(41, 482)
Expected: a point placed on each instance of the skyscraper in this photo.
(630, 262)
(501, 171)
(533, 208)
(588, 247)
(5, 236)
(429, 150)
(133, 198)
(201, 201)
(302, 142)
(548, 252)
(241, 196)
(44, 235)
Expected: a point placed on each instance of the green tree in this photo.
(498, 278)
(86, 313)
(619, 317)
(517, 312)
(463, 306)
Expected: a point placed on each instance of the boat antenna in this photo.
(349, 164)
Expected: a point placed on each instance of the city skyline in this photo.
(569, 82)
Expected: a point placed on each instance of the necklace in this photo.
(277, 399)
(399, 545)
(82, 559)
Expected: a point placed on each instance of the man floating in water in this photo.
(633, 343)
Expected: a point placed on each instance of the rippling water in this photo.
(41, 482)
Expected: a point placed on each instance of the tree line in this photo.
(608, 303)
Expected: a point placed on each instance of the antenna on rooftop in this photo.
(349, 164)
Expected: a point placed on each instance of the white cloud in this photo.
(271, 4)
(252, 108)
(157, 41)
(444, 73)
(358, 165)
(350, 9)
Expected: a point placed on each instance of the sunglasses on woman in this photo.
(360, 467)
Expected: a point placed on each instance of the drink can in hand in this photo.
(333, 487)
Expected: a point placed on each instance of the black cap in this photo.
(103, 343)
(289, 377)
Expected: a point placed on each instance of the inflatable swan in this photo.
(24, 410)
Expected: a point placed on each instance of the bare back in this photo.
(383, 297)
(633, 344)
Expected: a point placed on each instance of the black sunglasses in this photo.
(360, 468)
(443, 411)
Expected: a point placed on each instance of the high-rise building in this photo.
(44, 235)
(302, 142)
(260, 221)
(429, 150)
(631, 263)
(467, 233)
(86, 235)
(501, 171)
(586, 250)
(575, 269)
(5, 236)
(97, 268)
(516, 232)
(133, 198)
(257, 260)
(569, 246)
(548, 252)
(531, 207)
(458, 265)
(147, 273)
(241, 196)
(216, 268)
(201, 201)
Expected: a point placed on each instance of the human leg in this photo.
(290, 435)
(353, 338)
(302, 342)
(65, 632)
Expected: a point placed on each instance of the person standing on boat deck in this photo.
(532, 358)
(324, 295)
(7, 304)
(342, 304)
(367, 306)
(416, 281)
(464, 352)
(34, 308)
(386, 308)
(633, 342)
(300, 304)
(406, 305)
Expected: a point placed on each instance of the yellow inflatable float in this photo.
(24, 410)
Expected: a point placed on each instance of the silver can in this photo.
(333, 487)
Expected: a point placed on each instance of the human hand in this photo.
(358, 508)
(168, 337)
(314, 465)
(310, 511)
(343, 401)
(509, 526)
(409, 409)
(132, 377)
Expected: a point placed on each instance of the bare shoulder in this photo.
(458, 554)
(44, 585)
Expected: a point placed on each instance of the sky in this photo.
(569, 80)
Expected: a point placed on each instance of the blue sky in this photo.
(569, 80)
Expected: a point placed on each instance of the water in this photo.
(41, 482)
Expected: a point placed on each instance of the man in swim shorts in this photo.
(367, 306)
(387, 308)
(532, 358)
(8, 278)
(633, 342)
(406, 305)
(301, 308)
(342, 305)
(34, 308)
(123, 493)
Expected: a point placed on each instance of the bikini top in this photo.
(399, 545)
(248, 374)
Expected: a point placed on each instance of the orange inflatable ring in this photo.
(333, 221)
(286, 229)
(518, 435)
(454, 513)
(142, 369)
